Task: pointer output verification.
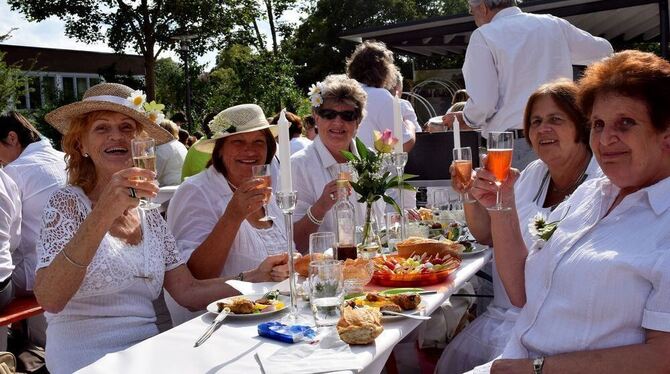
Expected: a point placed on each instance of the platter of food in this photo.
(415, 245)
(404, 303)
(415, 270)
(249, 306)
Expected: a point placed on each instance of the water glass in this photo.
(326, 291)
(143, 151)
(323, 242)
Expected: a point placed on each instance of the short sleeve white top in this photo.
(379, 116)
(169, 162)
(112, 309)
(408, 114)
(38, 172)
(600, 281)
(299, 143)
(10, 223)
(313, 168)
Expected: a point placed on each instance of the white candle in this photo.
(457, 133)
(284, 154)
(397, 125)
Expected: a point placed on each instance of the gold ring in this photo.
(332, 196)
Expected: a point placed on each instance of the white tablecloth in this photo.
(232, 347)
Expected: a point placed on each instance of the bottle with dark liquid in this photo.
(345, 221)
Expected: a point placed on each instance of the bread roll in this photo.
(302, 264)
(360, 325)
(418, 246)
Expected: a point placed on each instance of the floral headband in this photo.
(152, 110)
(315, 94)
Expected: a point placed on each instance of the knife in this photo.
(216, 323)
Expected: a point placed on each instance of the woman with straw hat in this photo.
(216, 216)
(101, 261)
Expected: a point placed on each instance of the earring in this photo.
(85, 155)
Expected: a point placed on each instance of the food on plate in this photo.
(416, 264)
(406, 301)
(394, 303)
(418, 246)
(360, 325)
(243, 305)
(426, 214)
(302, 263)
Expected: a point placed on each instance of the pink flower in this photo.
(385, 141)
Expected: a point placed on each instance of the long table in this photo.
(232, 347)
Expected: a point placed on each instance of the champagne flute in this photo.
(499, 161)
(143, 151)
(263, 172)
(463, 172)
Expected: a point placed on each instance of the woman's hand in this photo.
(248, 198)
(461, 189)
(327, 199)
(116, 198)
(484, 187)
(269, 270)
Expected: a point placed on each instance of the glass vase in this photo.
(370, 244)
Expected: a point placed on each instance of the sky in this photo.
(51, 34)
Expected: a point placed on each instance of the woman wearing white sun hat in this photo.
(101, 261)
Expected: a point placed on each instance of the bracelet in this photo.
(72, 261)
(313, 219)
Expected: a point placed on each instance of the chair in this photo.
(20, 309)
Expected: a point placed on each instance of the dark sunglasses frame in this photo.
(346, 115)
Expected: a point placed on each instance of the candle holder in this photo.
(399, 160)
(286, 202)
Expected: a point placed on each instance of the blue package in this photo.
(284, 333)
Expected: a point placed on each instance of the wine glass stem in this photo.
(498, 197)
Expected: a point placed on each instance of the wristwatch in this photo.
(538, 363)
(240, 276)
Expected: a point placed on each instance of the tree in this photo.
(315, 46)
(13, 81)
(145, 26)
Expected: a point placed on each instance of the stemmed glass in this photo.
(463, 172)
(499, 161)
(143, 151)
(263, 172)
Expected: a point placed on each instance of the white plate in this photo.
(435, 120)
(476, 249)
(212, 307)
(387, 317)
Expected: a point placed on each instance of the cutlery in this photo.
(216, 323)
(413, 316)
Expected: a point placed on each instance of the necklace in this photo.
(232, 186)
(574, 184)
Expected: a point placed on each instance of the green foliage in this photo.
(12, 83)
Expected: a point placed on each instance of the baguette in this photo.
(418, 246)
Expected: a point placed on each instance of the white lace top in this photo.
(112, 309)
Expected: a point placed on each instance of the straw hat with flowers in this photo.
(234, 120)
(118, 98)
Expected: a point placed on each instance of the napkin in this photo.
(248, 288)
(327, 354)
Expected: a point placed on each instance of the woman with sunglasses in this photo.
(338, 105)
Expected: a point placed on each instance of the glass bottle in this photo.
(345, 221)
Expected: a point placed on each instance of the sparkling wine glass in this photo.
(463, 173)
(143, 151)
(263, 172)
(499, 161)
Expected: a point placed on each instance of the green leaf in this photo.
(362, 149)
(389, 200)
(349, 156)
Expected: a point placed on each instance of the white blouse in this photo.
(38, 172)
(313, 168)
(10, 223)
(112, 310)
(600, 281)
(197, 206)
(379, 115)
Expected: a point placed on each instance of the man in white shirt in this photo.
(509, 56)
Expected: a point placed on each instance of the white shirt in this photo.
(196, 207)
(38, 172)
(169, 162)
(379, 116)
(599, 282)
(299, 143)
(510, 57)
(10, 223)
(313, 168)
(112, 309)
(408, 114)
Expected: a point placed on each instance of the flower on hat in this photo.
(315, 94)
(137, 99)
(385, 141)
(154, 111)
(221, 124)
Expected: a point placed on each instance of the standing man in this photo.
(511, 54)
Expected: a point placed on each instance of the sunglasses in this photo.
(346, 115)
